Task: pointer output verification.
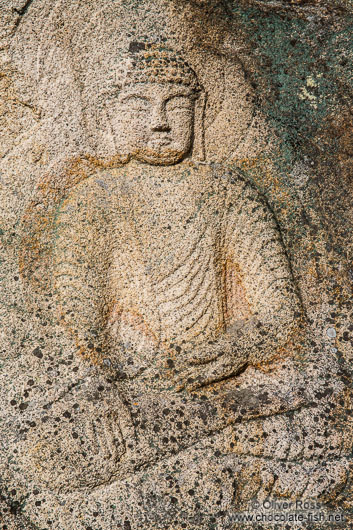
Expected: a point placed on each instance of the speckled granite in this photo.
(176, 252)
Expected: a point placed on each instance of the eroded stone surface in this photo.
(177, 313)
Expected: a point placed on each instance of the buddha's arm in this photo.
(262, 309)
(255, 249)
(80, 262)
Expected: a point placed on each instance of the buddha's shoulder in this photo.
(231, 180)
(90, 201)
(107, 184)
(97, 187)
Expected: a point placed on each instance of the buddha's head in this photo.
(152, 112)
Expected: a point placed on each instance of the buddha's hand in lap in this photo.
(203, 365)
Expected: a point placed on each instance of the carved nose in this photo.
(161, 127)
(160, 122)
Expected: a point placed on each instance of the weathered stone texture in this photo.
(176, 264)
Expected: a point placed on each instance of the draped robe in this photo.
(148, 259)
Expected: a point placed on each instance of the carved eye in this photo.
(179, 103)
(136, 103)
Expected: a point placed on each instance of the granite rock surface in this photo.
(176, 250)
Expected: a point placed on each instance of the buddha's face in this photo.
(154, 123)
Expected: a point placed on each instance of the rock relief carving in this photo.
(179, 252)
(169, 272)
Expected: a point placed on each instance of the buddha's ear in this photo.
(198, 151)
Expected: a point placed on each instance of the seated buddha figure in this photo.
(169, 270)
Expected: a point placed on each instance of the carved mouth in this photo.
(159, 142)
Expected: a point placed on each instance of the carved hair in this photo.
(151, 63)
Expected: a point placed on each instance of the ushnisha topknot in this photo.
(151, 63)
